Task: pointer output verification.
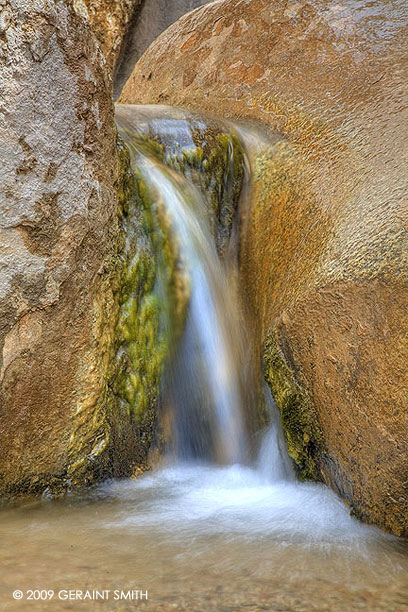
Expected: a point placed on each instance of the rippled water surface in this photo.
(200, 537)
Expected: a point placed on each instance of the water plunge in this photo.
(207, 376)
(207, 373)
(224, 524)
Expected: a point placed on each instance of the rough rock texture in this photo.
(325, 253)
(59, 237)
(110, 21)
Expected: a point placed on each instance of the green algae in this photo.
(145, 309)
(303, 436)
(137, 305)
(141, 305)
(216, 165)
(153, 301)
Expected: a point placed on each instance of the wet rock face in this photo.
(59, 179)
(325, 250)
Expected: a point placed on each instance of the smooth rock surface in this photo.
(325, 252)
(153, 18)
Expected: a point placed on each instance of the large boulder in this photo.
(62, 191)
(152, 19)
(325, 250)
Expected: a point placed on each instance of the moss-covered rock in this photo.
(303, 436)
(153, 297)
(216, 165)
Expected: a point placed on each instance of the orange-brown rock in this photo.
(325, 252)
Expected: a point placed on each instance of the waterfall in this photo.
(212, 381)
(204, 374)
(204, 383)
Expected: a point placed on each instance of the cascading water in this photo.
(218, 527)
(204, 381)
(204, 372)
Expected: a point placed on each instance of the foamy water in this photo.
(214, 528)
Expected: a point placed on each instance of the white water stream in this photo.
(259, 499)
(216, 528)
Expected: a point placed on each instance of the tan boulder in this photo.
(61, 193)
(151, 20)
(325, 250)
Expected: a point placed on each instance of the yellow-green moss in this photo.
(153, 299)
(115, 417)
(302, 433)
(141, 304)
(140, 334)
(216, 165)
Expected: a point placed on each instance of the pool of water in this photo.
(201, 537)
(193, 535)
